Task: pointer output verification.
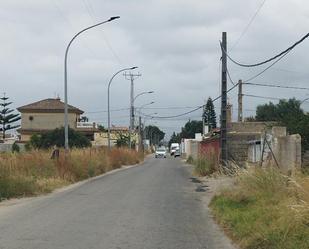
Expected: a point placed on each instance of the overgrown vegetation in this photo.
(56, 138)
(204, 165)
(33, 173)
(266, 210)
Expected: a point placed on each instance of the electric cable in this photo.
(267, 68)
(248, 25)
(268, 60)
(276, 86)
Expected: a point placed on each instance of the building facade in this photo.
(48, 114)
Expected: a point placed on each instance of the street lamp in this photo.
(132, 115)
(141, 107)
(140, 94)
(108, 103)
(66, 121)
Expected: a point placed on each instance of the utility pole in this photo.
(240, 95)
(130, 76)
(223, 138)
(140, 138)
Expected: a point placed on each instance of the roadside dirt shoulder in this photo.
(208, 188)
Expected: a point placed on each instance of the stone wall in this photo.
(238, 145)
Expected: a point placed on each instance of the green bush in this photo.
(56, 138)
(15, 148)
(190, 160)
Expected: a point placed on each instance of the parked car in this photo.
(160, 153)
(177, 153)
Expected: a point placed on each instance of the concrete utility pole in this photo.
(108, 103)
(240, 95)
(130, 76)
(140, 138)
(223, 139)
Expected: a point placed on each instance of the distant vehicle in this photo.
(160, 152)
(173, 148)
(177, 153)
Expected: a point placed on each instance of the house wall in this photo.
(238, 145)
(287, 151)
(46, 121)
(210, 148)
(101, 138)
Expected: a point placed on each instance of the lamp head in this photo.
(133, 68)
(113, 18)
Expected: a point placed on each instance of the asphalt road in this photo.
(152, 206)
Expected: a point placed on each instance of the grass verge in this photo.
(34, 173)
(266, 210)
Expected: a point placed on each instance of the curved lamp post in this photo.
(141, 107)
(108, 103)
(138, 95)
(66, 121)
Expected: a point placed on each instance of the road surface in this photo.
(152, 206)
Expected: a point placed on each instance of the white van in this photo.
(174, 147)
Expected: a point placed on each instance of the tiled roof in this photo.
(49, 105)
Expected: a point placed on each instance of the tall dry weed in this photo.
(35, 172)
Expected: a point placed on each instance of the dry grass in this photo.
(205, 164)
(33, 173)
(266, 210)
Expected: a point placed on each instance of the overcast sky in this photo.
(175, 44)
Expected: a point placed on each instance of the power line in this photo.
(249, 24)
(191, 111)
(114, 110)
(276, 86)
(229, 76)
(283, 53)
(267, 68)
(261, 97)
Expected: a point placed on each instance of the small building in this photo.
(48, 114)
(101, 138)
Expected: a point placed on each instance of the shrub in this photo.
(190, 160)
(56, 138)
(15, 147)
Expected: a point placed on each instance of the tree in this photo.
(7, 118)
(287, 113)
(190, 128)
(175, 138)
(123, 140)
(266, 112)
(102, 128)
(209, 115)
(154, 134)
(56, 138)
